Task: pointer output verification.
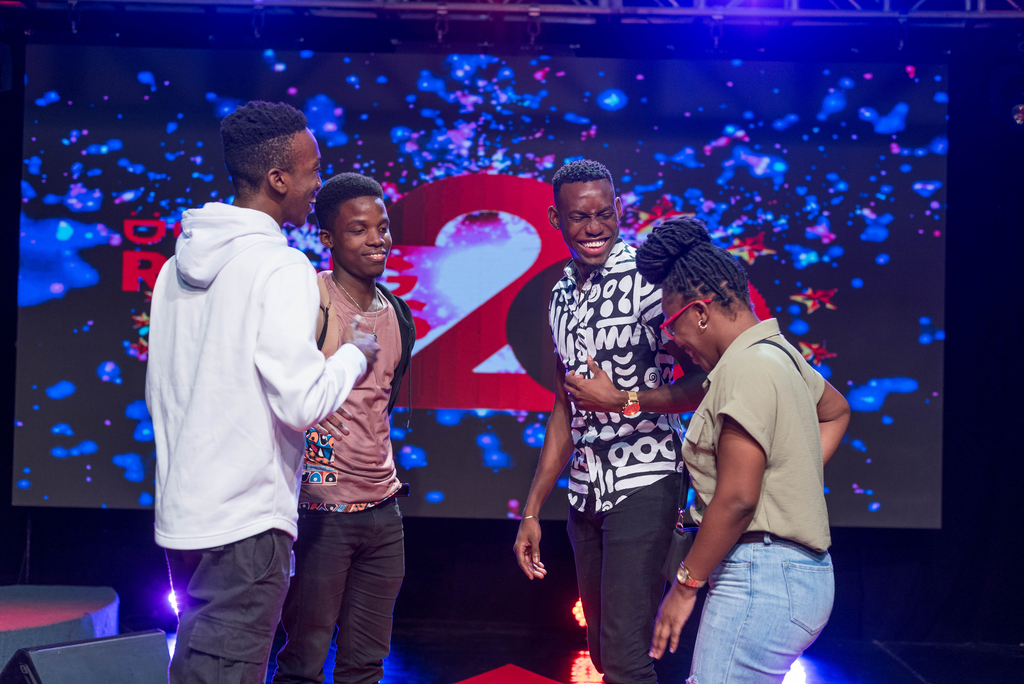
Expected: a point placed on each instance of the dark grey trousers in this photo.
(229, 602)
(619, 555)
(348, 572)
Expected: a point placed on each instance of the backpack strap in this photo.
(776, 344)
(325, 311)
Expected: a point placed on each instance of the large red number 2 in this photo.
(442, 372)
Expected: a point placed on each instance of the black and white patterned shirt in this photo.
(614, 317)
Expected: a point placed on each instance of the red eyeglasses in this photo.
(667, 325)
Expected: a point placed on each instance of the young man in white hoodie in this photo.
(234, 379)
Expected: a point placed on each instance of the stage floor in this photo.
(441, 653)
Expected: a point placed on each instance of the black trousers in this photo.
(619, 555)
(348, 572)
(229, 602)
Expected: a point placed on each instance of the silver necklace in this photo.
(376, 298)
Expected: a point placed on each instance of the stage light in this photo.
(1018, 114)
(577, 612)
(583, 670)
(173, 600)
(797, 673)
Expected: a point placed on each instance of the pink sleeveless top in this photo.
(347, 474)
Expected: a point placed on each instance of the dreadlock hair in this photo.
(680, 257)
(581, 171)
(257, 138)
(340, 189)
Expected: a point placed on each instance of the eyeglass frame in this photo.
(666, 327)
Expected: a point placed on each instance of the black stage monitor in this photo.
(140, 658)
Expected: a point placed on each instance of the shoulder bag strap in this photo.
(776, 344)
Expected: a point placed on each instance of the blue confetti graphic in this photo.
(871, 396)
(108, 371)
(785, 122)
(893, 122)
(134, 471)
(612, 100)
(833, 103)
(137, 410)
(326, 119)
(62, 390)
(146, 78)
(533, 435)
(49, 97)
(410, 457)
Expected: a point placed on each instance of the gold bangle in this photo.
(527, 517)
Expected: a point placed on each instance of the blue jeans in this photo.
(768, 602)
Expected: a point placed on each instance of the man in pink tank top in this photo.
(349, 556)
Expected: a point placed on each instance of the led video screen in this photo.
(827, 180)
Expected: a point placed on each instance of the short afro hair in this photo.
(257, 138)
(340, 189)
(581, 171)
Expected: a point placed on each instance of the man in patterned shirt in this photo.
(611, 416)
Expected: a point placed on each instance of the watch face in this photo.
(683, 577)
(631, 410)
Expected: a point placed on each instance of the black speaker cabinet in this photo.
(139, 658)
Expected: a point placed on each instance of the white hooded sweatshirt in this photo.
(235, 378)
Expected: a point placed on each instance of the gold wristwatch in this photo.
(683, 577)
(632, 405)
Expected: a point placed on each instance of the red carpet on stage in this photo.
(509, 674)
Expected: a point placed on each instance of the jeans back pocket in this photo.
(811, 589)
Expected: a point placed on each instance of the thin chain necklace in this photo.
(376, 298)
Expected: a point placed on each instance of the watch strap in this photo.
(632, 399)
(684, 578)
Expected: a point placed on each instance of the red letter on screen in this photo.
(144, 266)
(155, 232)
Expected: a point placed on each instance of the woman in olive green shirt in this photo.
(755, 448)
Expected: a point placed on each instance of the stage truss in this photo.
(936, 13)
